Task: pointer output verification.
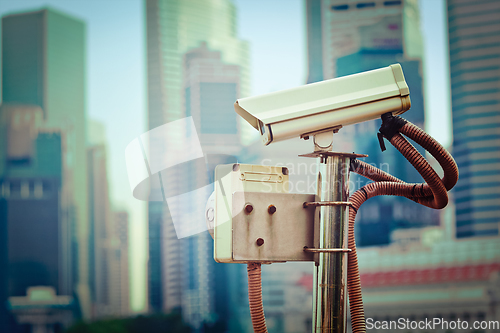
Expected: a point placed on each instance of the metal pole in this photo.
(330, 275)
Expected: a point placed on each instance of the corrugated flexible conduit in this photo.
(432, 193)
(255, 297)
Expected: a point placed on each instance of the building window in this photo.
(5, 189)
(38, 189)
(392, 3)
(25, 189)
(340, 7)
(365, 5)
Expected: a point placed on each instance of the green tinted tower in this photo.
(173, 28)
(43, 64)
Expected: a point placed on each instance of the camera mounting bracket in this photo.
(323, 140)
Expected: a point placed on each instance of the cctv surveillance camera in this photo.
(329, 104)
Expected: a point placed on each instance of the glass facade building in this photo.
(32, 215)
(474, 47)
(108, 235)
(173, 28)
(350, 26)
(314, 41)
(211, 87)
(43, 65)
(39, 235)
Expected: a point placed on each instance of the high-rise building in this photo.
(108, 230)
(173, 28)
(474, 47)
(121, 301)
(361, 36)
(43, 64)
(33, 211)
(350, 26)
(314, 41)
(99, 231)
(211, 87)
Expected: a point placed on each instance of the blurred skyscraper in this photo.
(173, 28)
(375, 27)
(474, 46)
(361, 36)
(108, 231)
(121, 298)
(314, 41)
(99, 220)
(37, 250)
(211, 87)
(43, 65)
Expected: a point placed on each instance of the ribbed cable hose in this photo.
(255, 297)
(439, 197)
(432, 193)
(443, 157)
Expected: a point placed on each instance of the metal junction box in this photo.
(256, 219)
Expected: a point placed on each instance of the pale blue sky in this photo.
(275, 29)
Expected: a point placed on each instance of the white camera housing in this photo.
(324, 105)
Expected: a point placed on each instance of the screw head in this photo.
(248, 208)
(271, 209)
(259, 242)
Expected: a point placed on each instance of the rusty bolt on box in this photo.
(248, 208)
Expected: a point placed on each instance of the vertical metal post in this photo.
(330, 275)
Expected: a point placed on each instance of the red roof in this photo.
(419, 276)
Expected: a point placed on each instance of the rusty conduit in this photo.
(255, 297)
(432, 193)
